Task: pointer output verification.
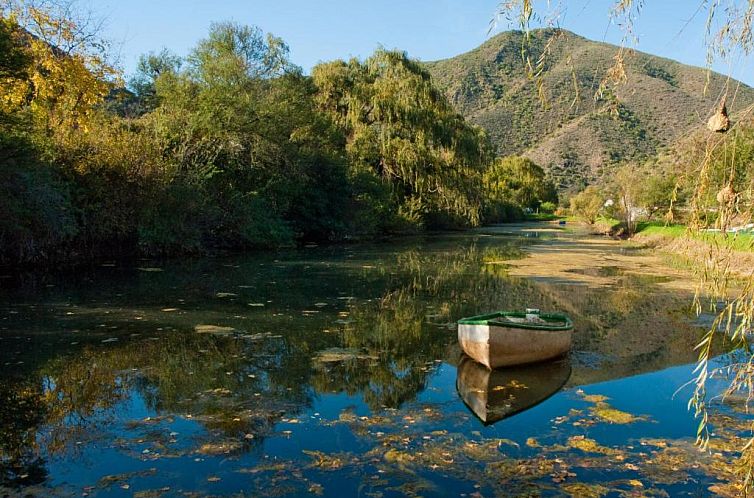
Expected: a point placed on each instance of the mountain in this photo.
(574, 136)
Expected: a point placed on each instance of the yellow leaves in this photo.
(14, 88)
(65, 90)
(66, 78)
(13, 94)
(53, 28)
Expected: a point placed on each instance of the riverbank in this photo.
(697, 249)
(733, 252)
(632, 307)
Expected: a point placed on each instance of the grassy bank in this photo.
(735, 252)
(741, 242)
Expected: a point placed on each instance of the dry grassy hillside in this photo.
(575, 137)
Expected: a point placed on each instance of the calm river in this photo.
(335, 372)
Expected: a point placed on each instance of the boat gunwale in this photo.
(489, 319)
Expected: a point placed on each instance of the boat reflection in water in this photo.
(497, 394)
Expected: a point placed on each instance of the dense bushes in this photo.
(512, 184)
(230, 147)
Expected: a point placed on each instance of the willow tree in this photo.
(240, 132)
(720, 172)
(409, 152)
(519, 180)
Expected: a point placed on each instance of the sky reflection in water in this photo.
(330, 370)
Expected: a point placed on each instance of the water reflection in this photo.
(493, 395)
(112, 360)
(21, 417)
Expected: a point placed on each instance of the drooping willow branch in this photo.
(725, 286)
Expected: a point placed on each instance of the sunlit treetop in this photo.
(68, 72)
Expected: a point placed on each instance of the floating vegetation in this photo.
(221, 447)
(609, 414)
(590, 446)
(581, 490)
(606, 413)
(335, 355)
(324, 461)
(214, 329)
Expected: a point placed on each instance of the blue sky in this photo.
(320, 30)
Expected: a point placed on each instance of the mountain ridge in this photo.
(575, 137)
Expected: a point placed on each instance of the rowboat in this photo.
(507, 338)
(493, 395)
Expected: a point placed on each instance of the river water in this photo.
(335, 372)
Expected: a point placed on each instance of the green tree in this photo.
(659, 195)
(628, 188)
(152, 66)
(240, 126)
(413, 160)
(587, 204)
(519, 180)
(548, 207)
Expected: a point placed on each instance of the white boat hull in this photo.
(496, 346)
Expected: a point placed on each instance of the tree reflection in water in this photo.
(21, 417)
(395, 310)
